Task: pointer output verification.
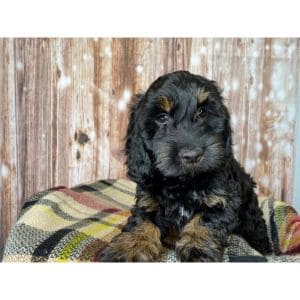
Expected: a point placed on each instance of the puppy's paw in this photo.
(196, 247)
(133, 247)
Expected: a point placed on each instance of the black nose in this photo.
(190, 156)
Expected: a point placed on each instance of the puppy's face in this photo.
(184, 124)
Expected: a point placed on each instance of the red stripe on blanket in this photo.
(292, 223)
(293, 250)
(89, 201)
(295, 219)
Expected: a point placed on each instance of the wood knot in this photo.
(81, 137)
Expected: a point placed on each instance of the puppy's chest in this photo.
(178, 208)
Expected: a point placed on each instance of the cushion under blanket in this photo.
(75, 225)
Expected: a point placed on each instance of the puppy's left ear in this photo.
(138, 159)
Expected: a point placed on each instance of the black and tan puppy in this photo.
(191, 192)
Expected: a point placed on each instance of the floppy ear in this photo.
(138, 159)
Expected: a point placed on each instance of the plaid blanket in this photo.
(75, 225)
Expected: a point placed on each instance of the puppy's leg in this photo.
(140, 238)
(205, 237)
(199, 243)
(141, 243)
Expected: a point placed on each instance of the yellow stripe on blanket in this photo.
(119, 196)
(127, 185)
(44, 218)
(107, 225)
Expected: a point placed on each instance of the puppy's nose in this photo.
(190, 156)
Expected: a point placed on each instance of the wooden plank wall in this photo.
(64, 107)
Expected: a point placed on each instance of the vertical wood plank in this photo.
(102, 97)
(8, 163)
(75, 134)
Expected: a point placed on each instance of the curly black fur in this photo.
(179, 152)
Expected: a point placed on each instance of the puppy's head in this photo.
(179, 127)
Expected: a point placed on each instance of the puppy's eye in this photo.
(200, 113)
(162, 118)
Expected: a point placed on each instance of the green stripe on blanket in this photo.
(74, 225)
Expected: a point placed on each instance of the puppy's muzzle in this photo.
(190, 156)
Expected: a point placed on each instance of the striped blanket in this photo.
(75, 225)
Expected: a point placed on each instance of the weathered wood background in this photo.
(64, 107)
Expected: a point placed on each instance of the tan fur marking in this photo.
(147, 203)
(196, 237)
(141, 244)
(202, 95)
(165, 103)
(213, 200)
(194, 228)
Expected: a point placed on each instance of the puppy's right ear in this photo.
(138, 159)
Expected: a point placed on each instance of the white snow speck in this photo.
(126, 95)
(265, 181)
(269, 143)
(281, 95)
(20, 66)
(255, 53)
(217, 46)
(291, 113)
(122, 104)
(226, 87)
(4, 170)
(287, 149)
(235, 148)
(278, 49)
(203, 50)
(107, 51)
(195, 60)
(268, 113)
(258, 147)
(234, 120)
(64, 81)
(235, 84)
(252, 94)
(249, 164)
(92, 135)
(291, 49)
(139, 69)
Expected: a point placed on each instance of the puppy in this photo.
(191, 192)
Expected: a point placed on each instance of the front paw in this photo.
(130, 247)
(196, 248)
